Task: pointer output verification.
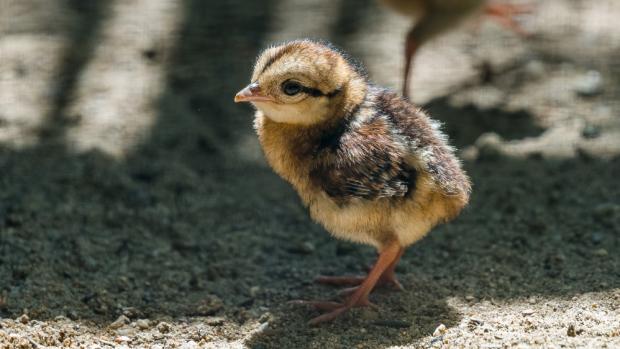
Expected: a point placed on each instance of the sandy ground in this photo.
(136, 209)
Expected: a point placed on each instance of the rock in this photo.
(126, 331)
(211, 305)
(528, 312)
(143, 324)
(254, 291)
(440, 330)
(601, 252)
(122, 339)
(215, 321)
(132, 312)
(24, 319)
(590, 84)
(570, 331)
(590, 131)
(607, 212)
(535, 69)
(163, 327)
(265, 317)
(596, 237)
(473, 323)
(120, 322)
(305, 247)
(189, 345)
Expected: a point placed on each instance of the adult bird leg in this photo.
(505, 14)
(411, 46)
(387, 258)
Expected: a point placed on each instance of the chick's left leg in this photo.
(359, 297)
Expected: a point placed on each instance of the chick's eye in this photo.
(291, 88)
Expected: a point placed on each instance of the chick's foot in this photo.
(359, 296)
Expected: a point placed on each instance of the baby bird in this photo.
(434, 17)
(371, 167)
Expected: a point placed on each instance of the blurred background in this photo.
(135, 202)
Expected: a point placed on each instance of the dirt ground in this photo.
(136, 209)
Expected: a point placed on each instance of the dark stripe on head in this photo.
(275, 57)
(318, 93)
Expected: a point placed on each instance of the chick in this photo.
(371, 167)
(434, 17)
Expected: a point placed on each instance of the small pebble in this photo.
(126, 331)
(528, 312)
(473, 322)
(571, 331)
(132, 312)
(121, 321)
(591, 84)
(597, 237)
(189, 345)
(469, 298)
(590, 131)
(303, 248)
(122, 339)
(163, 327)
(606, 211)
(209, 306)
(142, 324)
(265, 317)
(215, 321)
(601, 252)
(24, 319)
(441, 329)
(535, 69)
(254, 291)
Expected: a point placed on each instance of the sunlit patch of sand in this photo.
(116, 93)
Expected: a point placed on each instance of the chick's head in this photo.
(303, 82)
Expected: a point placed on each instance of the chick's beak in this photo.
(252, 93)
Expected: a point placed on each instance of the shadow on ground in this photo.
(82, 43)
(465, 124)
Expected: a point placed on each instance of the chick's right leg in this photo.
(388, 278)
(360, 296)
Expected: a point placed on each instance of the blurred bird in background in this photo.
(370, 166)
(434, 17)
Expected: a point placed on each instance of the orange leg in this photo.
(359, 297)
(411, 46)
(388, 278)
(505, 15)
